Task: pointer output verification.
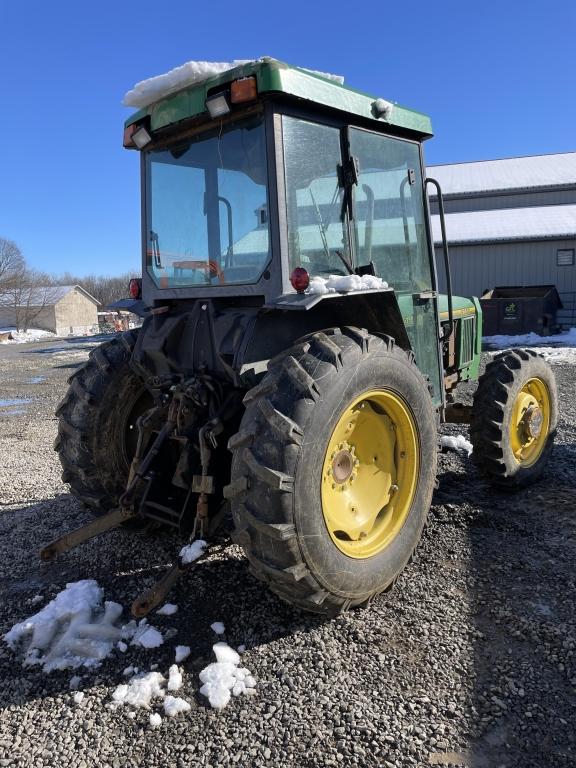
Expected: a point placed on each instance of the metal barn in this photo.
(511, 222)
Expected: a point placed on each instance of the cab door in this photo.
(390, 230)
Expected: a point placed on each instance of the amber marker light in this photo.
(243, 90)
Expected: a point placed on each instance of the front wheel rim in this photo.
(530, 422)
(370, 473)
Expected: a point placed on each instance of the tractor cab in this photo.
(265, 184)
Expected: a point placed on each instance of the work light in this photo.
(217, 105)
(141, 137)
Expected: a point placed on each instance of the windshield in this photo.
(207, 209)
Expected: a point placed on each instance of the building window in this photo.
(565, 257)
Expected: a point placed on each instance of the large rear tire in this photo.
(333, 469)
(514, 418)
(96, 424)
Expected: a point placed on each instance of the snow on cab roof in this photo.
(538, 223)
(148, 91)
(531, 172)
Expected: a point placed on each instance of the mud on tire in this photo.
(277, 468)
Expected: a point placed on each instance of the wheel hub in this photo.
(532, 422)
(344, 462)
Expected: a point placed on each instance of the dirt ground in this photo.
(468, 662)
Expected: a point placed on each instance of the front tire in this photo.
(514, 418)
(333, 469)
(96, 424)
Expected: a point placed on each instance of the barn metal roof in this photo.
(49, 295)
(538, 223)
(518, 173)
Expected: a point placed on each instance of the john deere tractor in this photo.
(295, 358)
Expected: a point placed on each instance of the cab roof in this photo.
(273, 76)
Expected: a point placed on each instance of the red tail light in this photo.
(300, 279)
(135, 288)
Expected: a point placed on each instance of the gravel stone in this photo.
(469, 661)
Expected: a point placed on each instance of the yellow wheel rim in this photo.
(530, 422)
(370, 473)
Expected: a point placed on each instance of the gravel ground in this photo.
(469, 662)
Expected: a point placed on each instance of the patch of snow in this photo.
(147, 637)
(167, 609)
(218, 627)
(327, 75)
(241, 648)
(153, 666)
(192, 551)
(79, 697)
(75, 682)
(174, 678)
(128, 671)
(345, 284)
(23, 337)
(36, 599)
(170, 633)
(122, 646)
(148, 91)
(566, 338)
(224, 678)
(70, 631)
(155, 720)
(182, 652)
(224, 653)
(192, 72)
(173, 705)
(140, 691)
(458, 443)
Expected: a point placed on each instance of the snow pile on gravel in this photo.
(345, 283)
(191, 73)
(21, 337)
(458, 443)
(167, 609)
(567, 338)
(141, 689)
(147, 636)
(193, 551)
(224, 678)
(182, 652)
(76, 629)
(218, 627)
(71, 631)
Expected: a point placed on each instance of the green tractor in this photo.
(295, 358)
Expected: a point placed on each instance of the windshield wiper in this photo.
(323, 229)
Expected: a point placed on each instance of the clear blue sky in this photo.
(497, 78)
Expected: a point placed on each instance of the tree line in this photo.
(26, 291)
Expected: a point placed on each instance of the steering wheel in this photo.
(211, 267)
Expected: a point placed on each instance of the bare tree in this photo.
(11, 264)
(106, 288)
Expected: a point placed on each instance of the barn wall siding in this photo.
(76, 313)
(484, 266)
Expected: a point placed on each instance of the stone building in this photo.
(63, 309)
